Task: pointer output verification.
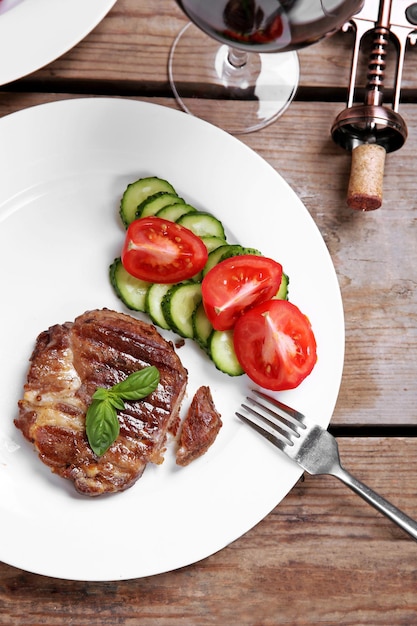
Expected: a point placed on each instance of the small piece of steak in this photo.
(200, 427)
(69, 362)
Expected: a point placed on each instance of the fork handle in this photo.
(378, 502)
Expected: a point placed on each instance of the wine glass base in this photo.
(237, 99)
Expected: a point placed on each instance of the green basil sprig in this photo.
(102, 425)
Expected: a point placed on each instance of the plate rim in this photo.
(21, 22)
(75, 105)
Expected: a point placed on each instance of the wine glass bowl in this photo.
(238, 91)
(236, 64)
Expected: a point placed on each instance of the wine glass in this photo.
(242, 72)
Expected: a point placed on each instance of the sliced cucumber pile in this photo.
(179, 307)
(132, 291)
(139, 192)
(157, 202)
(153, 304)
(202, 224)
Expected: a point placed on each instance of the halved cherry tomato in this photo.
(160, 251)
(275, 345)
(236, 284)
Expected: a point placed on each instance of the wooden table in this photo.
(322, 556)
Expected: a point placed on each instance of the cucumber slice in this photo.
(212, 243)
(226, 251)
(282, 293)
(137, 192)
(152, 205)
(197, 278)
(132, 291)
(153, 304)
(202, 326)
(237, 250)
(174, 211)
(214, 257)
(222, 352)
(178, 305)
(202, 224)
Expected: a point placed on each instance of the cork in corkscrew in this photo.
(370, 130)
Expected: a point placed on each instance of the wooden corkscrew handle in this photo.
(366, 177)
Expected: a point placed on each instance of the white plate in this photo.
(34, 33)
(64, 167)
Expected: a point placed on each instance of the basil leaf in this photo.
(102, 425)
(107, 395)
(138, 385)
(100, 394)
(115, 401)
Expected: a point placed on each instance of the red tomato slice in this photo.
(235, 285)
(275, 345)
(160, 251)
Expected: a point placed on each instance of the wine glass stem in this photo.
(237, 58)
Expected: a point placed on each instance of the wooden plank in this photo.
(118, 51)
(322, 556)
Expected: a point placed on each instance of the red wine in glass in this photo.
(236, 64)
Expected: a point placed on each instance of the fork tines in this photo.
(284, 423)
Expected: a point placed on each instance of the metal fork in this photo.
(313, 448)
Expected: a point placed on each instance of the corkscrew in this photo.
(371, 129)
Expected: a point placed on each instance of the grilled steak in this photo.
(200, 427)
(69, 362)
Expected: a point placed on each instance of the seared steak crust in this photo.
(69, 362)
(200, 427)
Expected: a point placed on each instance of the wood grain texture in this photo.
(118, 51)
(323, 556)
